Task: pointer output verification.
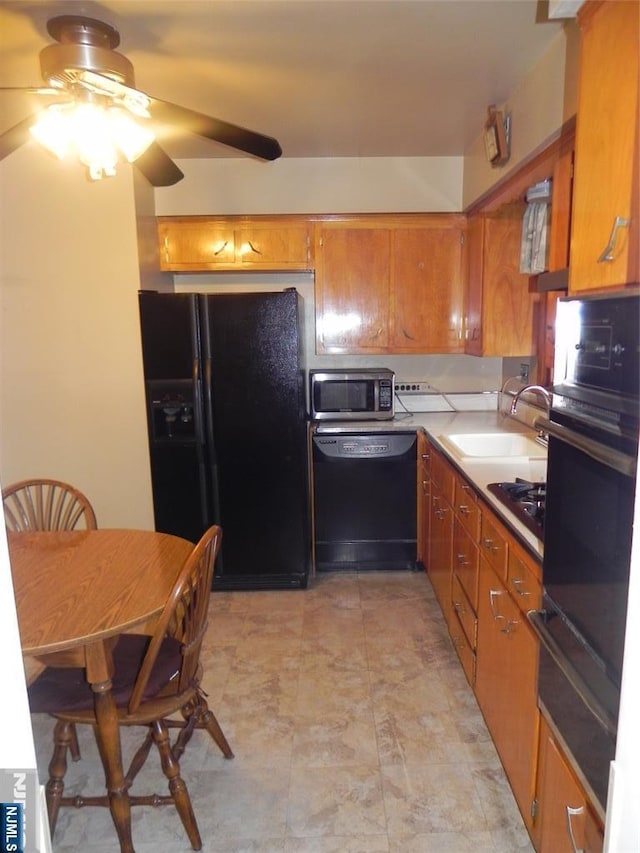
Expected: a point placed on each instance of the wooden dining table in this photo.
(75, 592)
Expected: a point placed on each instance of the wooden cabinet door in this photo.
(427, 290)
(279, 247)
(352, 290)
(440, 548)
(506, 685)
(507, 304)
(195, 245)
(473, 295)
(557, 791)
(192, 243)
(606, 160)
(499, 307)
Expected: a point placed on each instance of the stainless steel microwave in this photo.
(346, 394)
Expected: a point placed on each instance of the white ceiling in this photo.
(327, 78)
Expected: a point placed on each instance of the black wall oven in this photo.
(593, 448)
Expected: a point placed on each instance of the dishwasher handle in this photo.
(329, 447)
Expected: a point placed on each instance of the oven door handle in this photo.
(615, 459)
(537, 620)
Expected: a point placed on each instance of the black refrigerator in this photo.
(225, 393)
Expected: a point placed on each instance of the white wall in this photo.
(539, 106)
(71, 392)
(314, 185)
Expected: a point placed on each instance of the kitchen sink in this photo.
(494, 445)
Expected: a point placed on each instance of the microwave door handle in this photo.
(537, 621)
(601, 453)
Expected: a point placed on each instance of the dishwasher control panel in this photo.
(372, 445)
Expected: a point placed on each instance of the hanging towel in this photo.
(533, 245)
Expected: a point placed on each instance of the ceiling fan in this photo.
(84, 68)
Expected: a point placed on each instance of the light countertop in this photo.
(478, 472)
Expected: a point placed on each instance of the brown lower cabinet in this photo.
(565, 821)
(506, 684)
(441, 531)
(485, 581)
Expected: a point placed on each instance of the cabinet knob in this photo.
(490, 545)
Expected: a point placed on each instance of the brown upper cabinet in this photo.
(200, 243)
(499, 315)
(604, 237)
(390, 284)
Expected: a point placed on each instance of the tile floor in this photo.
(353, 727)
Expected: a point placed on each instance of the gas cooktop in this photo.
(525, 500)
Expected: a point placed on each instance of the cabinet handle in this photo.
(607, 252)
(407, 335)
(425, 456)
(222, 248)
(458, 606)
(253, 248)
(461, 560)
(517, 584)
(493, 594)
(489, 545)
(464, 509)
(571, 813)
(439, 513)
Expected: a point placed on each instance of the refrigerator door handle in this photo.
(198, 410)
(208, 408)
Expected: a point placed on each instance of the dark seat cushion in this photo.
(59, 690)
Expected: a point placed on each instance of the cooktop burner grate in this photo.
(526, 501)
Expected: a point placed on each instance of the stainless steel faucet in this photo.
(539, 389)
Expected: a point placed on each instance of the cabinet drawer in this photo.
(466, 507)
(493, 544)
(523, 582)
(443, 474)
(465, 562)
(464, 612)
(465, 652)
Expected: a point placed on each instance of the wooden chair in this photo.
(155, 676)
(46, 505)
(42, 504)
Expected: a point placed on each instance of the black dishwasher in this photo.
(365, 501)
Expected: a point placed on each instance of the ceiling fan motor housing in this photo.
(84, 45)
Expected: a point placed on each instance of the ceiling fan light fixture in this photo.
(99, 136)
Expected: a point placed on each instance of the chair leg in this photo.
(74, 746)
(210, 723)
(198, 715)
(177, 786)
(138, 760)
(63, 737)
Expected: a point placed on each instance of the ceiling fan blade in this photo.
(157, 167)
(16, 136)
(264, 147)
(33, 90)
